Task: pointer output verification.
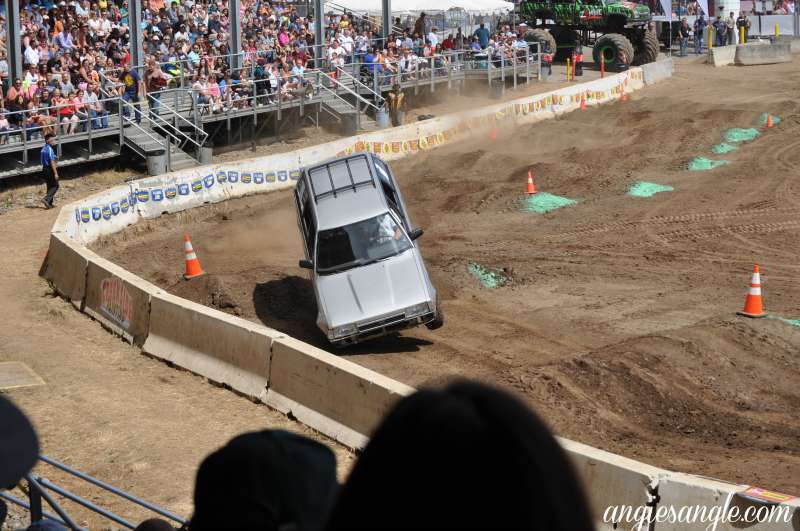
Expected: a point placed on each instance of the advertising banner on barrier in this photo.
(118, 299)
(103, 213)
(177, 191)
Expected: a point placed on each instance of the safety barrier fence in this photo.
(336, 397)
(66, 120)
(38, 489)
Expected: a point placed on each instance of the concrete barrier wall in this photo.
(721, 501)
(118, 299)
(223, 348)
(65, 266)
(610, 480)
(763, 54)
(657, 71)
(722, 55)
(339, 398)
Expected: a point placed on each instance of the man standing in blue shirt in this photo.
(483, 36)
(133, 87)
(49, 169)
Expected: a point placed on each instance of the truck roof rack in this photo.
(339, 175)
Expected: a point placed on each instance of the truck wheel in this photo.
(438, 321)
(609, 47)
(646, 49)
(543, 37)
(565, 41)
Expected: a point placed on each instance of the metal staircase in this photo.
(346, 104)
(168, 130)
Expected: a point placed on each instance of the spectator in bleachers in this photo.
(5, 127)
(464, 457)
(265, 480)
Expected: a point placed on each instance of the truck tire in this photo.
(438, 321)
(542, 36)
(647, 49)
(609, 47)
(565, 41)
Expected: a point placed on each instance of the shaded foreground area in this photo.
(616, 315)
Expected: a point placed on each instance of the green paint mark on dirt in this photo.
(721, 149)
(645, 189)
(762, 120)
(740, 135)
(489, 278)
(542, 202)
(790, 322)
(703, 164)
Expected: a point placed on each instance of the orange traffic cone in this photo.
(193, 268)
(493, 133)
(624, 96)
(531, 189)
(753, 305)
(583, 102)
(769, 121)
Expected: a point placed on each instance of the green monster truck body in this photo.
(618, 30)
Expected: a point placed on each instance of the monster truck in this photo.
(617, 30)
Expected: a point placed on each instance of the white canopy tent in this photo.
(474, 7)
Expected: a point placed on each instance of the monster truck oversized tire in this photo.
(565, 41)
(542, 36)
(647, 49)
(609, 47)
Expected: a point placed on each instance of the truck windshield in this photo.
(359, 244)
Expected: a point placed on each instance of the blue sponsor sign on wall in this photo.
(142, 196)
(157, 194)
(198, 185)
(106, 212)
(123, 205)
(222, 177)
(115, 208)
(85, 215)
(283, 176)
(233, 176)
(183, 189)
(294, 175)
(258, 178)
(247, 178)
(96, 214)
(271, 177)
(208, 180)
(171, 192)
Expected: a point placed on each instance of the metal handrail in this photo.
(342, 9)
(168, 128)
(357, 82)
(198, 130)
(132, 121)
(347, 89)
(337, 96)
(154, 119)
(39, 488)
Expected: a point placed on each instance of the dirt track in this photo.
(619, 322)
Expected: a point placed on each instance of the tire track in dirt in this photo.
(671, 220)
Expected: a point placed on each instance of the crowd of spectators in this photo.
(463, 457)
(76, 54)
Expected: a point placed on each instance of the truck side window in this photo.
(388, 190)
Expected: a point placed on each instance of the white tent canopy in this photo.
(373, 7)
